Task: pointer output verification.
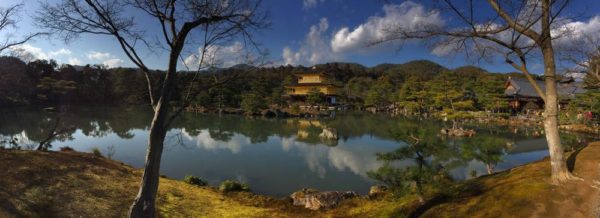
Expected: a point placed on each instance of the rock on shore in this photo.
(315, 200)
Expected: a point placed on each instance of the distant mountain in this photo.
(344, 71)
(470, 70)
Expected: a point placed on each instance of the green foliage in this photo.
(194, 180)
(416, 86)
(487, 149)
(16, 87)
(589, 101)
(356, 89)
(96, 152)
(412, 95)
(277, 98)
(252, 103)
(315, 97)
(232, 185)
(381, 93)
(427, 172)
(295, 109)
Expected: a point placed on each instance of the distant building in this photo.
(320, 81)
(521, 94)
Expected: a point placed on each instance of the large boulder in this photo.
(315, 200)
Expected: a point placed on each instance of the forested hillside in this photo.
(415, 86)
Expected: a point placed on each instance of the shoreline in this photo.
(85, 184)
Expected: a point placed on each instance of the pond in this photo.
(275, 156)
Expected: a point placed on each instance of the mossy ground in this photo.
(72, 184)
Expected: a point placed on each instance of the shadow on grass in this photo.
(573, 158)
(464, 191)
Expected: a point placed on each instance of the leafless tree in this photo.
(180, 22)
(54, 131)
(519, 31)
(8, 20)
(584, 53)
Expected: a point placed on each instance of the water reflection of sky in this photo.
(275, 157)
(277, 166)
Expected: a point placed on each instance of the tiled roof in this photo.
(522, 87)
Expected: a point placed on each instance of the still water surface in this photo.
(274, 156)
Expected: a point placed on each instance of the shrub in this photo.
(96, 152)
(66, 149)
(295, 109)
(194, 180)
(231, 185)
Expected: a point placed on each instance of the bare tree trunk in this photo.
(490, 168)
(560, 172)
(144, 204)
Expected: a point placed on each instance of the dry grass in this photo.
(526, 192)
(72, 184)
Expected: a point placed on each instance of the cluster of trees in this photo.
(413, 87)
(220, 21)
(416, 86)
(44, 82)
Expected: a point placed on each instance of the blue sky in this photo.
(302, 32)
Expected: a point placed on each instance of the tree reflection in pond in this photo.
(428, 159)
(486, 149)
(279, 156)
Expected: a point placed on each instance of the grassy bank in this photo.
(72, 184)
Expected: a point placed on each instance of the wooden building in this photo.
(319, 81)
(522, 96)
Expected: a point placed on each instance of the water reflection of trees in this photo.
(426, 159)
(486, 149)
(92, 121)
(99, 122)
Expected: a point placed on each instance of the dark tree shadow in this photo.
(573, 158)
(419, 209)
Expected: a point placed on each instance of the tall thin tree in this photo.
(519, 31)
(211, 21)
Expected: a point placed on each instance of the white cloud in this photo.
(60, 52)
(346, 156)
(205, 141)
(105, 58)
(112, 63)
(567, 34)
(29, 52)
(452, 45)
(409, 15)
(320, 46)
(74, 61)
(220, 56)
(315, 48)
(98, 56)
(574, 31)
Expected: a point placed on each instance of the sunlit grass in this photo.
(72, 184)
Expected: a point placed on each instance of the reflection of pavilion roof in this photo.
(522, 87)
(529, 145)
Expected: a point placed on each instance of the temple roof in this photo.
(522, 87)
